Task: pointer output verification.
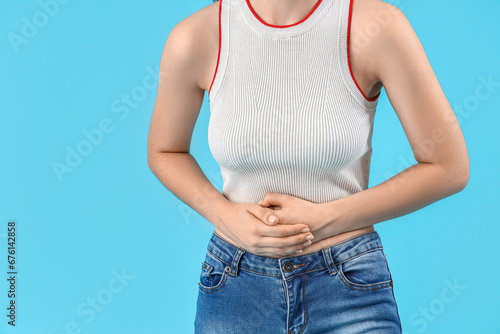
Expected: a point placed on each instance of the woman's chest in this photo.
(316, 136)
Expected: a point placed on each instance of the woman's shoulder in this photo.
(379, 31)
(193, 43)
(375, 15)
(200, 28)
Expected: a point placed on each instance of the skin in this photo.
(392, 57)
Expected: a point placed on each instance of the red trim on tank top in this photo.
(218, 55)
(282, 26)
(349, 60)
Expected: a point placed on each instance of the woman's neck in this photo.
(282, 12)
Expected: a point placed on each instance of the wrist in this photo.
(221, 209)
(328, 215)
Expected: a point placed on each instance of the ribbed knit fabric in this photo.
(286, 115)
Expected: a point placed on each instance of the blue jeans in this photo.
(346, 289)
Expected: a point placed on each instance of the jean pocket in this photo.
(366, 271)
(214, 274)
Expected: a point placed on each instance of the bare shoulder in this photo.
(201, 24)
(368, 13)
(376, 21)
(193, 43)
(379, 30)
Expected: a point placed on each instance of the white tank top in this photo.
(286, 114)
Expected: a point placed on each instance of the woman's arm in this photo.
(183, 72)
(177, 106)
(397, 59)
(401, 65)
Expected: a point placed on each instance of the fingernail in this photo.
(272, 219)
(305, 229)
(299, 251)
(259, 202)
(310, 237)
(307, 243)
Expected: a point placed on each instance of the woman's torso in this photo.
(206, 21)
(209, 48)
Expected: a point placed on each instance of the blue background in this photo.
(110, 216)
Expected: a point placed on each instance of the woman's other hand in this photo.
(293, 210)
(249, 225)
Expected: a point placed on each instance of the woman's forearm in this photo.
(181, 174)
(408, 191)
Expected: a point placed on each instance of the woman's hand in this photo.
(248, 225)
(294, 210)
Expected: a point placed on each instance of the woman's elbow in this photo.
(152, 159)
(460, 175)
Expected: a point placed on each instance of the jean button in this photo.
(288, 267)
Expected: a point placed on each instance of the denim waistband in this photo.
(238, 258)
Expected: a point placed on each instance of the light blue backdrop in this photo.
(103, 247)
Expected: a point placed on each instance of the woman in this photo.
(293, 86)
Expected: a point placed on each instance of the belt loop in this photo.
(236, 261)
(327, 254)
